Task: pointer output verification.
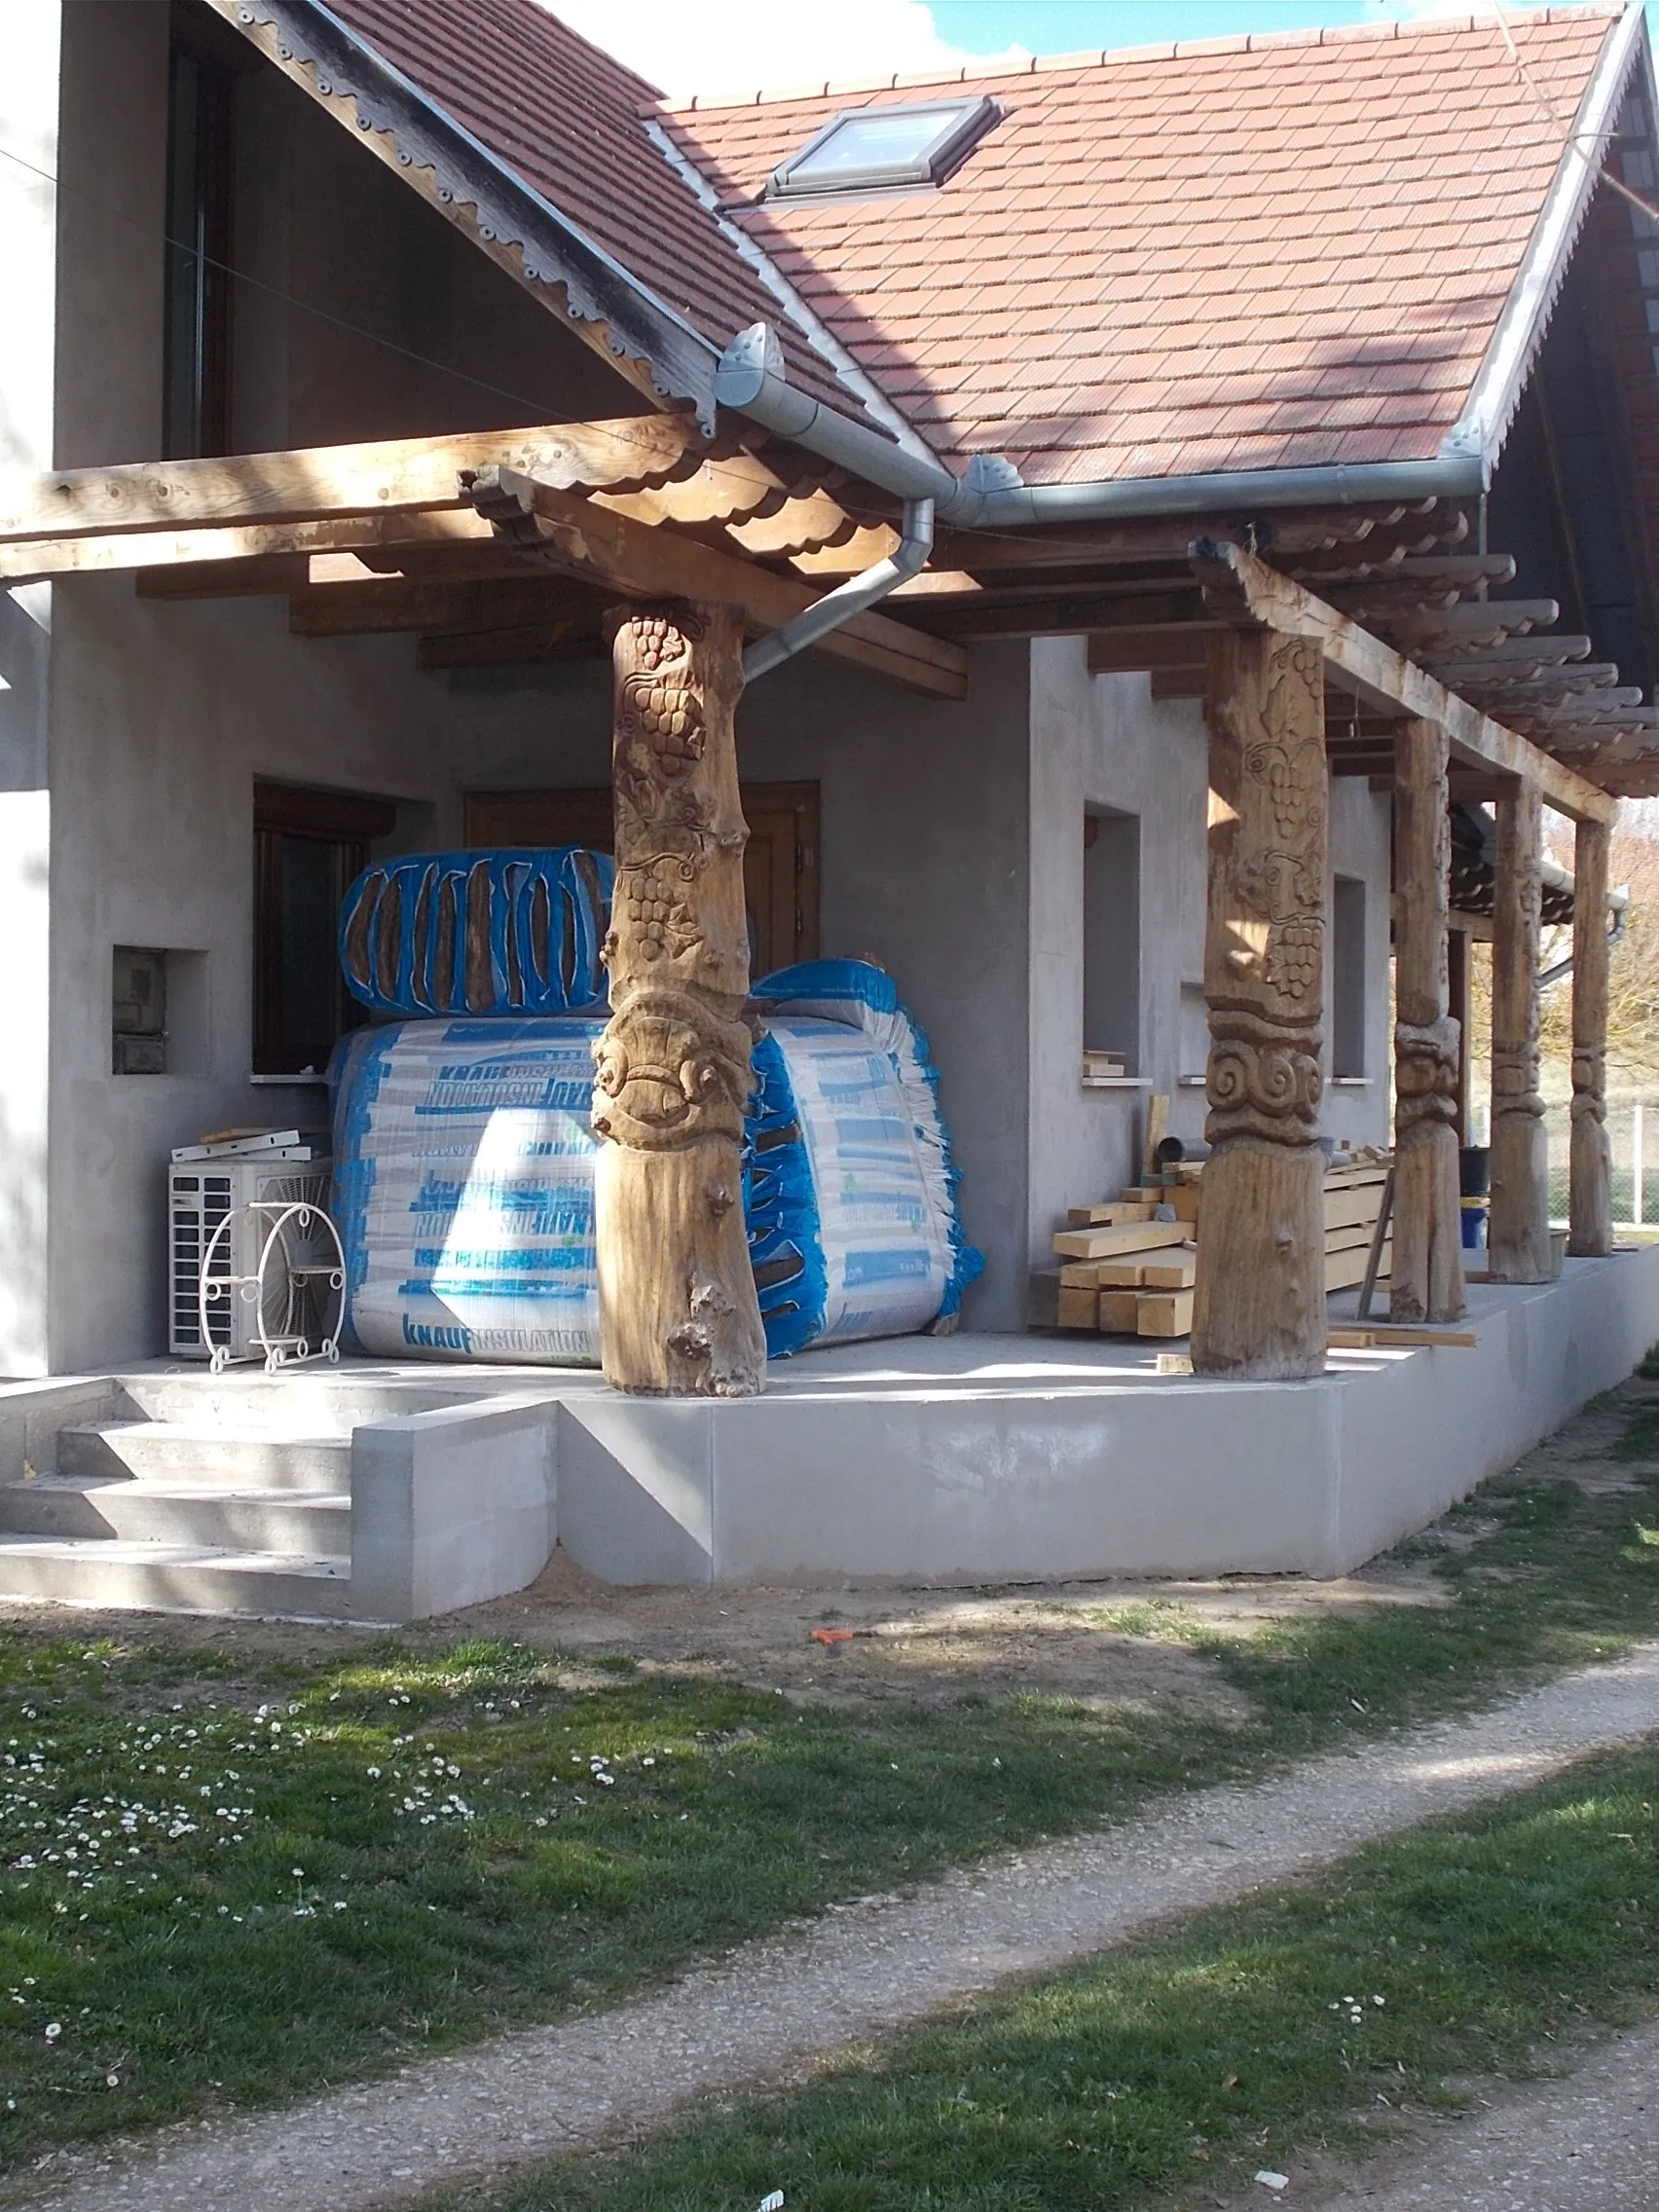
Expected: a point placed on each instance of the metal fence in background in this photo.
(1633, 1132)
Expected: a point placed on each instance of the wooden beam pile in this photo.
(1125, 1272)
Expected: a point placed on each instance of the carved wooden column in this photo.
(678, 1310)
(1260, 1306)
(1519, 1231)
(1426, 1280)
(1590, 1233)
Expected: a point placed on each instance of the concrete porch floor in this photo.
(962, 1460)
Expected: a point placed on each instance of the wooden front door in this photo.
(780, 864)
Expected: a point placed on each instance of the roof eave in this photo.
(609, 306)
(1482, 428)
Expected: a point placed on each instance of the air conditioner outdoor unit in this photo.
(201, 1195)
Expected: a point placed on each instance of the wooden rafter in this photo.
(635, 561)
(1237, 582)
(315, 483)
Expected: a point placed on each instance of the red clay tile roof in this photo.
(1253, 254)
(569, 120)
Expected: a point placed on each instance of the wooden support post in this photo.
(678, 1310)
(1426, 1274)
(1518, 1237)
(1457, 1004)
(1590, 1233)
(1259, 1306)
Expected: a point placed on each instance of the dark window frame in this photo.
(349, 823)
(196, 303)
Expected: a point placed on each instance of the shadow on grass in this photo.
(1306, 2017)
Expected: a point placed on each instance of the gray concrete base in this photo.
(964, 1459)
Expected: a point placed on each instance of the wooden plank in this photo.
(1165, 1313)
(1080, 1307)
(1112, 1215)
(1120, 1312)
(584, 541)
(1278, 603)
(1080, 1274)
(1156, 1130)
(1377, 1335)
(1260, 1313)
(310, 483)
(1178, 1272)
(1355, 1237)
(1346, 1271)
(1113, 1244)
(1345, 1208)
(1121, 1275)
(1589, 1210)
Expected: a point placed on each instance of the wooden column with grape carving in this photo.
(678, 1310)
(1260, 1304)
(1518, 1230)
(1590, 1207)
(1426, 1278)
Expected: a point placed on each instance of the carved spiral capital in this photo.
(1262, 1082)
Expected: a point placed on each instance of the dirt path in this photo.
(1586, 2141)
(863, 1971)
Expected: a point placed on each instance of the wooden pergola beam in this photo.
(316, 483)
(576, 538)
(1273, 602)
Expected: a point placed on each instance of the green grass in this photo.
(411, 1848)
(1302, 2019)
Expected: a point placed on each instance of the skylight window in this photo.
(864, 147)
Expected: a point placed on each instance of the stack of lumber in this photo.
(1126, 1272)
(1103, 1067)
(1353, 1199)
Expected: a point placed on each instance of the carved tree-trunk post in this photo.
(1426, 1278)
(1260, 1304)
(677, 1308)
(1519, 1232)
(1590, 1205)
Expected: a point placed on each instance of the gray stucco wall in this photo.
(1104, 743)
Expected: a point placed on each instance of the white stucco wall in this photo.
(1104, 743)
(28, 218)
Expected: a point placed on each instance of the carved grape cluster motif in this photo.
(659, 700)
(651, 897)
(1293, 958)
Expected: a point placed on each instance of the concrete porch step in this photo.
(174, 1577)
(247, 1459)
(221, 1515)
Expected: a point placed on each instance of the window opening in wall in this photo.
(196, 324)
(1348, 978)
(1111, 937)
(307, 846)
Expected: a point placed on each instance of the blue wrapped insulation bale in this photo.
(498, 932)
(464, 1161)
(464, 1189)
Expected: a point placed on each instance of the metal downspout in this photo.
(915, 543)
(1618, 903)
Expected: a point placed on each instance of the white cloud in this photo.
(715, 46)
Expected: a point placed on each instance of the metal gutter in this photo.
(508, 212)
(1618, 906)
(1480, 430)
(990, 496)
(915, 543)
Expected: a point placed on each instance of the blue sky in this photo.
(735, 46)
(1059, 26)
